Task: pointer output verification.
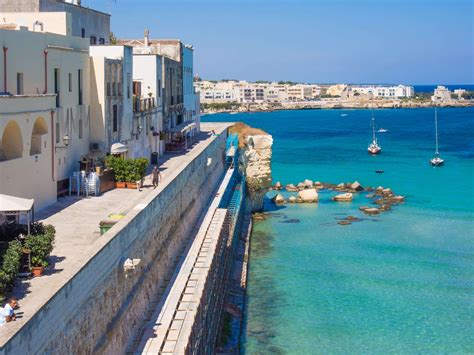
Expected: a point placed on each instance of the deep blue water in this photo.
(402, 282)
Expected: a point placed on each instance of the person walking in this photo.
(156, 176)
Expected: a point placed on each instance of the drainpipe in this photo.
(5, 49)
(52, 144)
(45, 71)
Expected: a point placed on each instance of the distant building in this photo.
(36, 14)
(459, 93)
(441, 93)
(336, 90)
(381, 91)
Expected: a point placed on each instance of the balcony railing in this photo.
(143, 104)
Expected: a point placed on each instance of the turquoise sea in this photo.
(401, 282)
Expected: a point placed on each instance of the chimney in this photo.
(147, 37)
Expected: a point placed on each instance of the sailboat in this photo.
(436, 161)
(374, 147)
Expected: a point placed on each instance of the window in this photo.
(79, 85)
(119, 89)
(58, 132)
(56, 87)
(101, 40)
(80, 129)
(70, 82)
(114, 118)
(114, 89)
(159, 87)
(83, 32)
(129, 80)
(108, 89)
(19, 83)
(93, 40)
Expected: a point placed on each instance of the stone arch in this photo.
(11, 145)
(40, 128)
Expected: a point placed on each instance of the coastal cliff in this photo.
(255, 161)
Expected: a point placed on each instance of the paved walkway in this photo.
(77, 220)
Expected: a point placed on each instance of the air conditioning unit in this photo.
(95, 146)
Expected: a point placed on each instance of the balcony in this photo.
(27, 103)
(143, 104)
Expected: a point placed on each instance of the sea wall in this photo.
(101, 307)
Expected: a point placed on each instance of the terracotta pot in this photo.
(120, 185)
(37, 271)
(132, 185)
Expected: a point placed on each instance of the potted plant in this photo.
(37, 266)
(118, 166)
(40, 247)
(136, 170)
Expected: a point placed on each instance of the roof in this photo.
(15, 204)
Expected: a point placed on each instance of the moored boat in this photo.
(436, 160)
(374, 148)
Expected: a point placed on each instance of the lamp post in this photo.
(66, 140)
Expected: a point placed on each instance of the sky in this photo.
(321, 41)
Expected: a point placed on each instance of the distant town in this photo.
(241, 96)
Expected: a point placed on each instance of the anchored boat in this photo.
(436, 161)
(374, 147)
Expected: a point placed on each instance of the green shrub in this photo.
(10, 265)
(127, 170)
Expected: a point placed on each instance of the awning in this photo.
(11, 204)
(118, 148)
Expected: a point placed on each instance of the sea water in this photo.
(401, 282)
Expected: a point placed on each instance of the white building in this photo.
(111, 97)
(390, 92)
(441, 93)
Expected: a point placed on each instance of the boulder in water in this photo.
(372, 211)
(308, 195)
(277, 186)
(356, 186)
(292, 199)
(308, 184)
(278, 199)
(347, 197)
(291, 188)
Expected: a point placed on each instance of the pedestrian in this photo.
(156, 176)
(7, 313)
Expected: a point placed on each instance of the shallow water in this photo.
(402, 282)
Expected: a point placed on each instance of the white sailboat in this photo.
(436, 161)
(374, 147)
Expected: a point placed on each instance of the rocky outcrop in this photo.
(256, 161)
(291, 188)
(356, 186)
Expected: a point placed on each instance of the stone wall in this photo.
(100, 309)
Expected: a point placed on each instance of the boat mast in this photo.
(436, 131)
(374, 139)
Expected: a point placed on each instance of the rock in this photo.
(308, 195)
(301, 186)
(291, 188)
(292, 199)
(370, 195)
(356, 186)
(386, 192)
(380, 188)
(385, 207)
(399, 198)
(344, 223)
(277, 186)
(347, 197)
(372, 211)
(363, 208)
(308, 184)
(278, 199)
(259, 216)
(352, 218)
(340, 186)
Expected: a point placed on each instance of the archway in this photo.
(11, 146)
(39, 129)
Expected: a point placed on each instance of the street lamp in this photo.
(66, 140)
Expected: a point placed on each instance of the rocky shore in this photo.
(380, 199)
(341, 104)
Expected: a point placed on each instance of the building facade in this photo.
(45, 112)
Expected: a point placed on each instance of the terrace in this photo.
(78, 238)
